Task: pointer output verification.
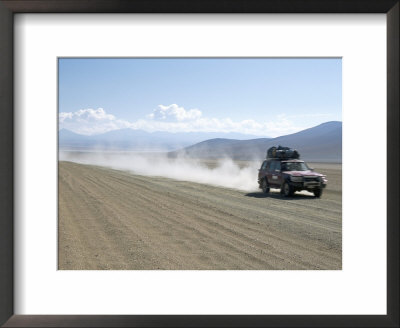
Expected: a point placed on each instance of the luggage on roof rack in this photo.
(282, 153)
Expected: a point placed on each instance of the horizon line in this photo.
(234, 132)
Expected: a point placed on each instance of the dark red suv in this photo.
(290, 175)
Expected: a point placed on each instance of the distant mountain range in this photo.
(139, 140)
(322, 143)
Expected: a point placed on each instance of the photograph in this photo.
(199, 163)
(190, 164)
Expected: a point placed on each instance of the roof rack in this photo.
(282, 153)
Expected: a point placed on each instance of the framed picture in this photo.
(100, 230)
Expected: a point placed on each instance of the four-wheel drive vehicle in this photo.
(290, 175)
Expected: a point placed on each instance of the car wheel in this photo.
(318, 192)
(265, 186)
(287, 190)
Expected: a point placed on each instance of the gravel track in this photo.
(111, 219)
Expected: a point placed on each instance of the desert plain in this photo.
(114, 219)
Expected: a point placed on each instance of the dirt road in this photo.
(111, 219)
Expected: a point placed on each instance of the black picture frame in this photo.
(10, 7)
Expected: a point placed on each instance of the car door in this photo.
(271, 173)
(262, 172)
(278, 173)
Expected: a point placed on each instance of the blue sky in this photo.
(259, 96)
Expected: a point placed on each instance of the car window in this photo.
(278, 166)
(295, 166)
(264, 165)
(272, 166)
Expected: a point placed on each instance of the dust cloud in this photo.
(240, 175)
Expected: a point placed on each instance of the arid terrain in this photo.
(113, 219)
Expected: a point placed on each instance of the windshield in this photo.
(294, 166)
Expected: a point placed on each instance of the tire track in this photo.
(142, 222)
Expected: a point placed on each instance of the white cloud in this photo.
(91, 121)
(174, 113)
(173, 118)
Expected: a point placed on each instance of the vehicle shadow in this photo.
(278, 195)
